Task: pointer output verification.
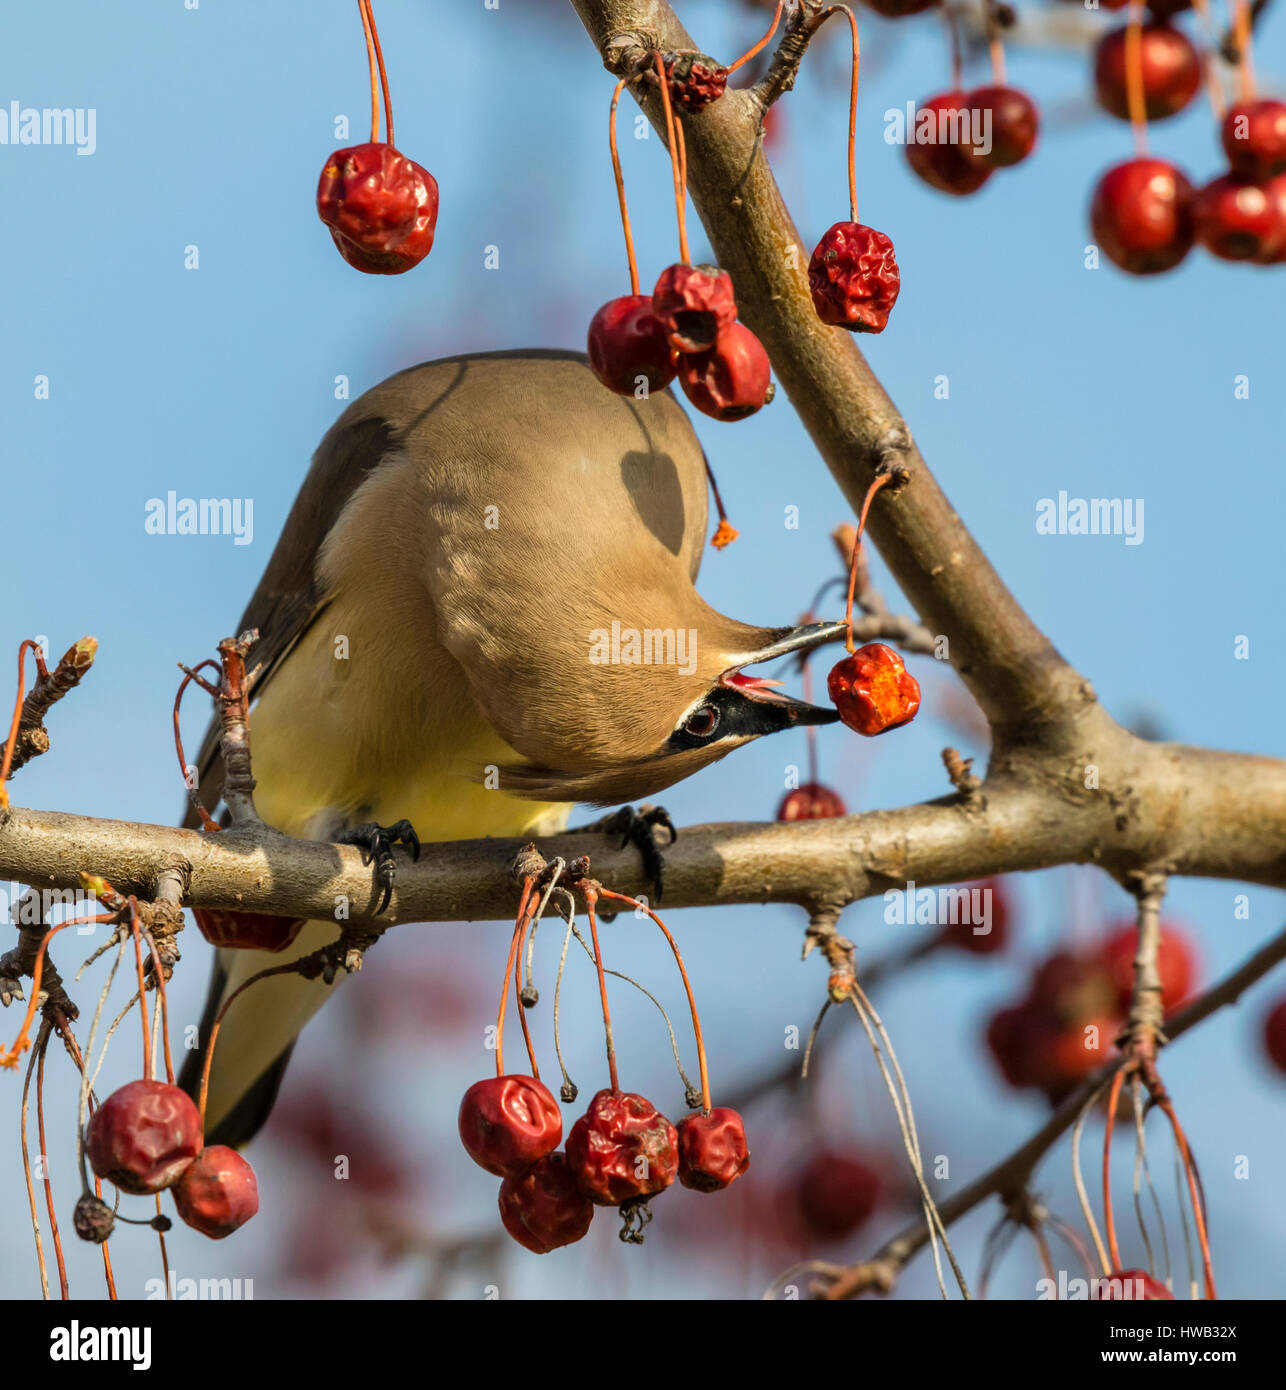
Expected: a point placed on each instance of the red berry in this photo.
(246, 931)
(1171, 71)
(380, 206)
(942, 158)
(1142, 216)
(1073, 1052)
(217, 1193)
(627, 345)
(1176, 965)
(543, 1208)
(694, 303)
(1159, 9)
(730, 381)
(1275, 192)
(695, 80)
(622, 1148)
(143, 1136)
(812, 801)
(853, 276)
(873, 690)
(1130, 1284)
(836, 1193)
(1012, 120)
(713, 1152)
(995, 901)
(508, 1122)
(1254, 137)
(1070, 986)
(1275, 1035)
(1236, 220)
(1016, 1039)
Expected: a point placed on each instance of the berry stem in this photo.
(12, 741)
(852, 107)
(953, 40)
(9, 1058)
(763, 43)
(194, 794)
(142, 989)
(1198, 1205)
(995, 44)
(591, 898)
(368, 23)
(164, 1007)
(620, 186)
(680, 187)
(876, 484)
(1134, 79)
(514, 943)
(1213, 88)
(42, 1047)
(1109, 1220)
(379, 58)
(1245, 41)
(687, 985)
(725, 532)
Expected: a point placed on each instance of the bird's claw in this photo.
(636, 828)
(376, 843)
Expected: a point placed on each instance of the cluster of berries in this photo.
(620, 1153)
(146, 1137)
(1006, 116)
(1075, 1008)
(687, 327)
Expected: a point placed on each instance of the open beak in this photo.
(797, 640)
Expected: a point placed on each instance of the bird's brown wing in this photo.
(289, 597)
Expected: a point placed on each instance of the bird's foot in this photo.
(376, 842)
(637, 828)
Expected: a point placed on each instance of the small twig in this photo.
(50, 687)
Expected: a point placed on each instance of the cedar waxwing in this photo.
(480, 612)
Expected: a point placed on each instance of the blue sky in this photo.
(211, 127)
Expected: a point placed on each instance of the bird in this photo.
(481, 612)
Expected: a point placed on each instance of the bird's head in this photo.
(663, 704)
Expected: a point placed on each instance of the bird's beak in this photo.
(787, 641)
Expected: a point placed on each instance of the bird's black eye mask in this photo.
(740, 707)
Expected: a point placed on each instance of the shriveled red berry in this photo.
(1236, 220)
(622, 1148)
(696, 80)
(853, 277)
(937, 146)
(508, 1122)
(873, 690)
(694, 304)
(836, 1192)
(1176, 964)
(1141, 216)
(1009, 119)
(544, 1207)
(713, 1152)
(967, 932)
(811, 801)
(731, 380)
(143, 1136)
(1275, 1035)
(628, 348)
(1170, 67)
(380, 206)
(1134, 1284)
(1254, 137)
(246, 931)
(218, 1192)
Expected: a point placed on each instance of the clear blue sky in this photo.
(211, 127)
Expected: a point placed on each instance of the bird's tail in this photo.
(256, 1037)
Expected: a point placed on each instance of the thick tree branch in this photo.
(1011, 667)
